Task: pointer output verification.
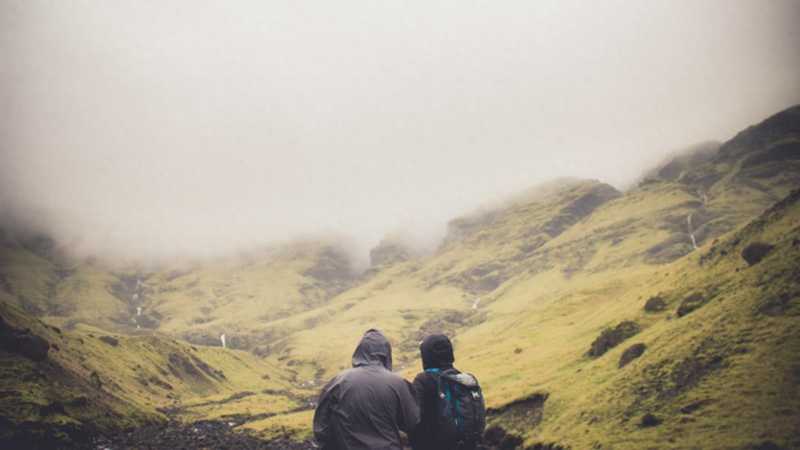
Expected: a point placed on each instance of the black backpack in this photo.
(460, 410)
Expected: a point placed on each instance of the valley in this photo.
(661, 316)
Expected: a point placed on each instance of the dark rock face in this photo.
(525, 413)
(675, 246)
(494, 435)
(42, 436)
(463, 227)
(112, 341)
(631, 353)
(183, 366)
(388, 253)
(777, 154)
(686, 160)
(331, 273)
(777, 305)
(530, 407)
(779, 126)
(649, 420)
(510, 442)
(94, 378)
(22, 342)
(755, 252)
(691, 303)
(332, 265)
(39, 244)
(579, 208)
(611, 337)
(655, 304)
(694, 406)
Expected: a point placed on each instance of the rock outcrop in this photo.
(755, 252)
(22, 342)
(387, 253)
(631, 353)
(611, 337)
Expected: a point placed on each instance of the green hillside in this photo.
(665, 316)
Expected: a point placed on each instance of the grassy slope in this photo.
(135, 380)
(551, 270)
(531, 333)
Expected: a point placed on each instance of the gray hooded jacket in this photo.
(364, 408)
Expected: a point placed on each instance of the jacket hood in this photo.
(437, 352)
(374, 349)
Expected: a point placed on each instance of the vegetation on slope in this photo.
(545, 296)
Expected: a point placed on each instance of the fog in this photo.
(150, 129)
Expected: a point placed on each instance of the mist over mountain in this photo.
(204, 205)
(594, 317)
(149, 131)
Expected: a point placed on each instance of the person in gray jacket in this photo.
(366, 407)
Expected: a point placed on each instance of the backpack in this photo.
(460, 410)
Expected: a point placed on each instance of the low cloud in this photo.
(153, 130)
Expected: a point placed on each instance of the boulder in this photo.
(32, 347)
(631, 353)
(649, 420)
(755, 252)
(611, 337)
(691, 303)
(112, 341)
(655, 304)
(22, 342)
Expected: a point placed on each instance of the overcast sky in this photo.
(159, 127)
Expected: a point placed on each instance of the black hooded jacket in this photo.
(366, 407)
(437, 353)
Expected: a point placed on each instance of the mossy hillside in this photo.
(408, 298)
(55, 398)
(239, 299)
(26, 279)
(524, 289)
(593, 401)
(534, 328)
(94, 382)
(198, 302)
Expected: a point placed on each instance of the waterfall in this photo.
(222, 339)
(691, 233)
(476, 303)
(138, 310)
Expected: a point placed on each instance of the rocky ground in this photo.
(219, 435)
(196, 436)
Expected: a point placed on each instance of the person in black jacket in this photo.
(437, 359)
(366, 407)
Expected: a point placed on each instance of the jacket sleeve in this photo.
(323, 426)
(409, 410)
(419, 435)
